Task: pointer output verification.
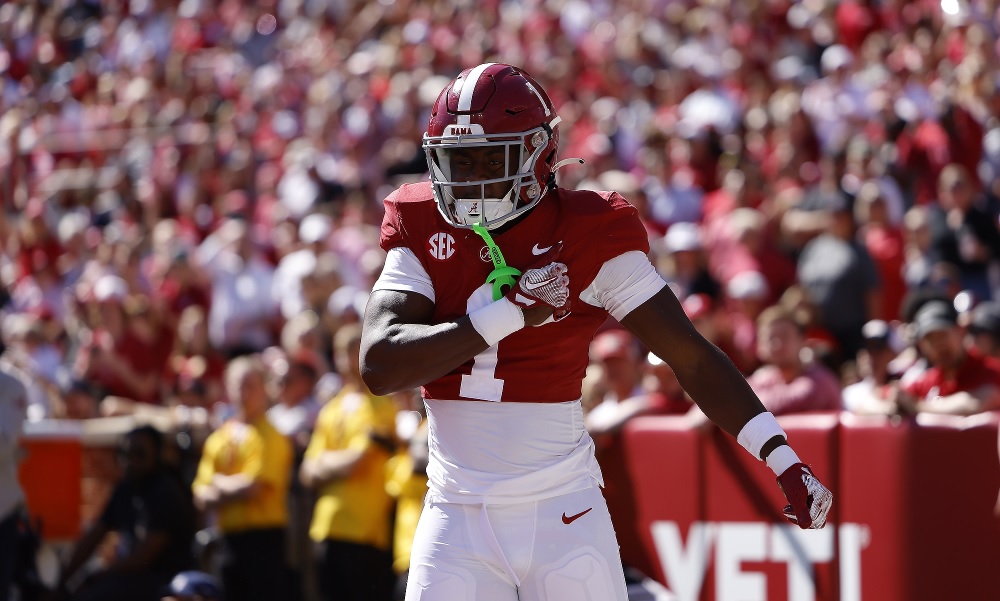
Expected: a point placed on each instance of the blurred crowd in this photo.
(192, 191)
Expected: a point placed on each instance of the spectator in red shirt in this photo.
(180, 286)
(924, 152)
(128, 350)
(958, 381)
(819, 340)
(746, 295)
(965, 137)
(617, 352)
(884, 243)
(36, 244)
(789, 381)
(743, 242)
(194, 360)
(855, 19)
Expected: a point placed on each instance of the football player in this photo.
(495, 282)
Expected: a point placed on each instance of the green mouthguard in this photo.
(503, 277)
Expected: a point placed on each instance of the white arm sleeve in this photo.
(403, 271)
(623, 283)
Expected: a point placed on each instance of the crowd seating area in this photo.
(185, 182)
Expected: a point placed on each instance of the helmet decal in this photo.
(466, 91)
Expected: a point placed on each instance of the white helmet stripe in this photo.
(468, 89)
(541, 100)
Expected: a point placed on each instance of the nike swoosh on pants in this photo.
(573, 518)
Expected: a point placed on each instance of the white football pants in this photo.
(558, 549)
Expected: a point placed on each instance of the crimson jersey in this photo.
(535, 364)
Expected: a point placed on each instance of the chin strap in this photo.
(559, 165)
(503, 277)
(565, 162)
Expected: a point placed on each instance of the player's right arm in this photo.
(401, 347)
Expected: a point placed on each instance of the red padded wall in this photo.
(913, 518)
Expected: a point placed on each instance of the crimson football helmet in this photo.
(491, 143)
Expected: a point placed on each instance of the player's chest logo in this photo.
(441, 245)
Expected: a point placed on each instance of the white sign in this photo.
(726, 545)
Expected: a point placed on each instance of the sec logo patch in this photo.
(441, 245)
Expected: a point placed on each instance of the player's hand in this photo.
(543, 289)
(809, 501)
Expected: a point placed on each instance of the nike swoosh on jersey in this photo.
(536, 285)
(573, 518)
(539, 251)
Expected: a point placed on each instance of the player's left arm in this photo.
(632, 291)
(705, 372)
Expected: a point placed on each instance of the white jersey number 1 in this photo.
(481, 383)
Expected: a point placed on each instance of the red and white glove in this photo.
(547, 284)
(809, 501)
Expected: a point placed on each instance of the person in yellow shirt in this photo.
(346, 463)
(406, 482)
(242, 481)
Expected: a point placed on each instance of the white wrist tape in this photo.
(781, 459)
(497, 320)
(762, 428)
